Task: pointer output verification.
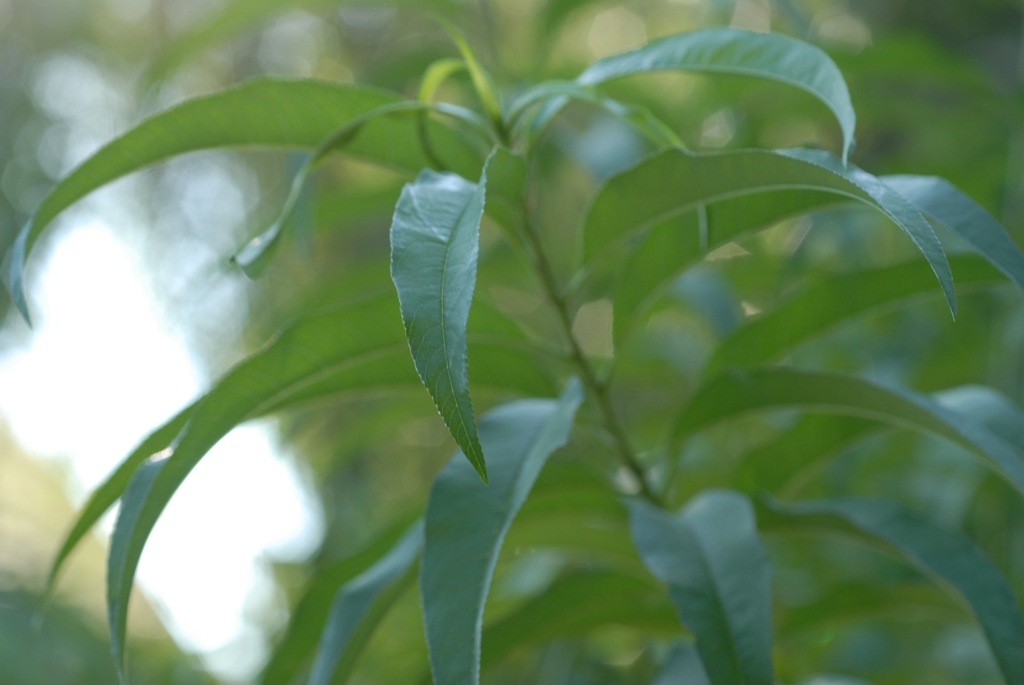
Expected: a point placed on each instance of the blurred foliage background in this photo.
(937, 85)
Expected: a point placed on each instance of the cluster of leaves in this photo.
(641, 527)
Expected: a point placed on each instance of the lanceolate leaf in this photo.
(736, 392)
(466, 523)
(826, 303)
(435, 241)
(360, 606)
(260, 112)
(943, 202)
(943, 554)
(674, 181)
(111, 490)
(310, 615)
(719, 578)
(684, 666)
(121, 562)
(576, 605)
(731, 51)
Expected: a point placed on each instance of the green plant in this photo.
(646, 225)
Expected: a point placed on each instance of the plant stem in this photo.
(598, 391)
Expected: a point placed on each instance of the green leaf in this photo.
(781, 462)
(261, 112)
(735, 392)
(436, 74)
(121, 561)
(683, 666)
(360, 606)
(483, 84)
(946, 204)
(435, 242)
(676, 243)
(945, 555)
(113, 487)
(311, 612)
(903, 213)
(732, 51)
(719, 578)
(577, 604)
(255, 255)
(823, 304)
(466, 523)
(673, 181)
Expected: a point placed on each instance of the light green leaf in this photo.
(261, 112)
(360, 606)
(735, 392)
(719, 578)
(732, 51)
(683, 666)
(673, 181)
(577, 604)
(942, 554)
(435, 242)
(946, 204)
(113, 487)
(483, 84)
(310, 614)
(436, 74)
(823, 304)
(466, 523)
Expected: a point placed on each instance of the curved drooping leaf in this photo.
(683, 666)
(466, 523)
(503, 361)
(828, 302)
(483, 84)
(989, 407)
(119, 575)
(732, 51)
(675, 243)
(314, 347)
(672, 182)
(255, 254)
(260, 112)
(113, 487)
(435, 242)
(735, 392)
(360, 606)
(719, 578)
(577, 604)
(942, 554)
(943, 202)
(310, 614)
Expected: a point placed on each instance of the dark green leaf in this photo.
(719, 578)
(435, 242)
(121, 561)
(732, 51)
(823, 304)
(942, 554)
(674, 181)
(466, 523)
(943, 202)
(735, 392)
(360, 606)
